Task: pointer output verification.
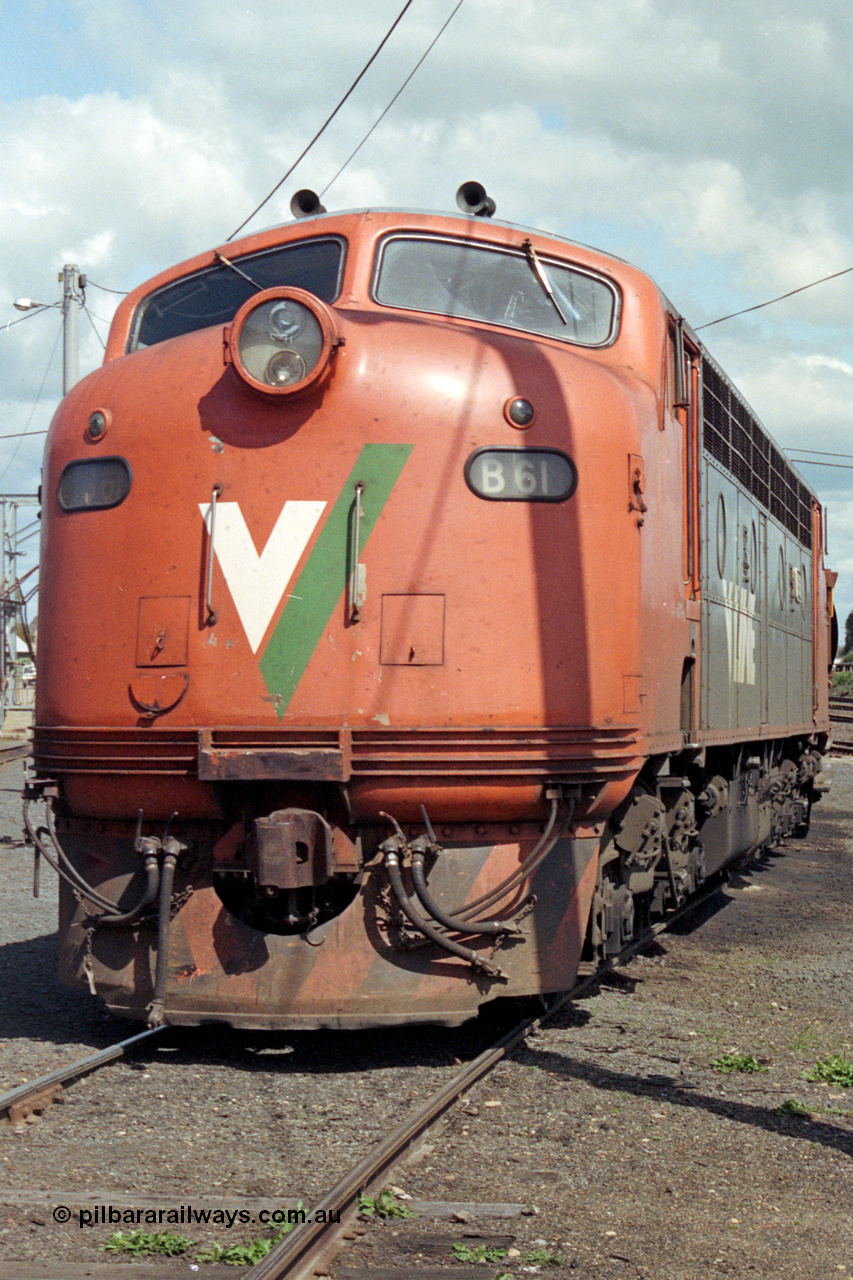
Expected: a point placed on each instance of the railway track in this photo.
(841, 713)
(746, 1107)
(308, 1248)
(29, 1099)
(14, 751)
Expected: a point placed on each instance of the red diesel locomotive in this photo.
(420, 605)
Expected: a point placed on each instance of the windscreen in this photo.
(514, 288)
(215, 295)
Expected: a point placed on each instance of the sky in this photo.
(706, 141)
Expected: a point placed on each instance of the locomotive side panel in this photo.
(778, 613)
(758, 559)
(667, 630)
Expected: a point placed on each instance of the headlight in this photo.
(93, 484)
(282, 340)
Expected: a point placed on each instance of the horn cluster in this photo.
(471, 199)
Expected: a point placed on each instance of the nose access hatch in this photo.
(162, 631)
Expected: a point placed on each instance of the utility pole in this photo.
(73, 285)
(73, 297)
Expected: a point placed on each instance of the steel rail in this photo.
(16, 752)
(36, 1094)
(306, 1249)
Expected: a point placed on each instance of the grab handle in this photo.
(357, 584)
(210, 620)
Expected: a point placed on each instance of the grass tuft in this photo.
(142, 1244)
(384, 1205)
(727, 1063)
(836, 1069)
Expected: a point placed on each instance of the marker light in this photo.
(282, 340)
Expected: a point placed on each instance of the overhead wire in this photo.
(91, 320)
(824, 453)
(21, 435)
(758, 306)
(819, 459)
(328, 120)
(813, 462)
(35, 311)
(90, 284)
(409, 77)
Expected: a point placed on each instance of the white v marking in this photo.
(257, 582)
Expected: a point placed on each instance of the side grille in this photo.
(738, 441)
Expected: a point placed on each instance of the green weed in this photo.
(841, 684)
(807, 1040)
(794, 1108)
(727, 1063)
(836, 1069)
(384, 1205)
(143, 1243)
(542, 1258)
(245, 1255)
(496, 1253)
(478, 1252)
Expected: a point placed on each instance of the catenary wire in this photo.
(823, 453)
(813, 462)
(90, 284)
(328, 120)
(771, 301)
(409, 77)
(26, 431)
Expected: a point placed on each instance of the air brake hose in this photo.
(442, 917)
(64, 866)
(531, 864)
(149, 897)
(171, 849)
(392, 866)
(66, 869)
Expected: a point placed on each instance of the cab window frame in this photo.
(244, 264)
(515, 252)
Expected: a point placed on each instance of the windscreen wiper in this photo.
(228, 263)
(539, 272)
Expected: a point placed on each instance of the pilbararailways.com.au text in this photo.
(185, 1215)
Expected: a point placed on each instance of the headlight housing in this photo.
(93, 484)
(281, 341)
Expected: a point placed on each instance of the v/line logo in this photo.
(258, 581)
